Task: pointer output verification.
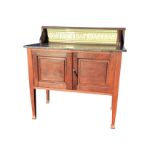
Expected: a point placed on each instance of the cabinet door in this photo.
(52, 69)
(93, 72)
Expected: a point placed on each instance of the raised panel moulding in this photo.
(85, 36)
(51, 69)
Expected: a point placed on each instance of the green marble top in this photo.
(71, 46)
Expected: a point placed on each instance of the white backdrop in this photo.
(75, 123)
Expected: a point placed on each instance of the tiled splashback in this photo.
(82, 36)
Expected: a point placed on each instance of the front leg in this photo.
(47, 96)
(118, 56)
(114, 109)
(31, 84)
(33, 102)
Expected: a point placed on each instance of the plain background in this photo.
(75, 123)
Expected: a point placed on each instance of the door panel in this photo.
(95, 71)
(92, 72)
(52, 70)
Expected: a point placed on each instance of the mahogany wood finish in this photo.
(96, 72)
(115, 87)
(52, 69)
(31, 83)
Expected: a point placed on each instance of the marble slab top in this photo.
(80, 47)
